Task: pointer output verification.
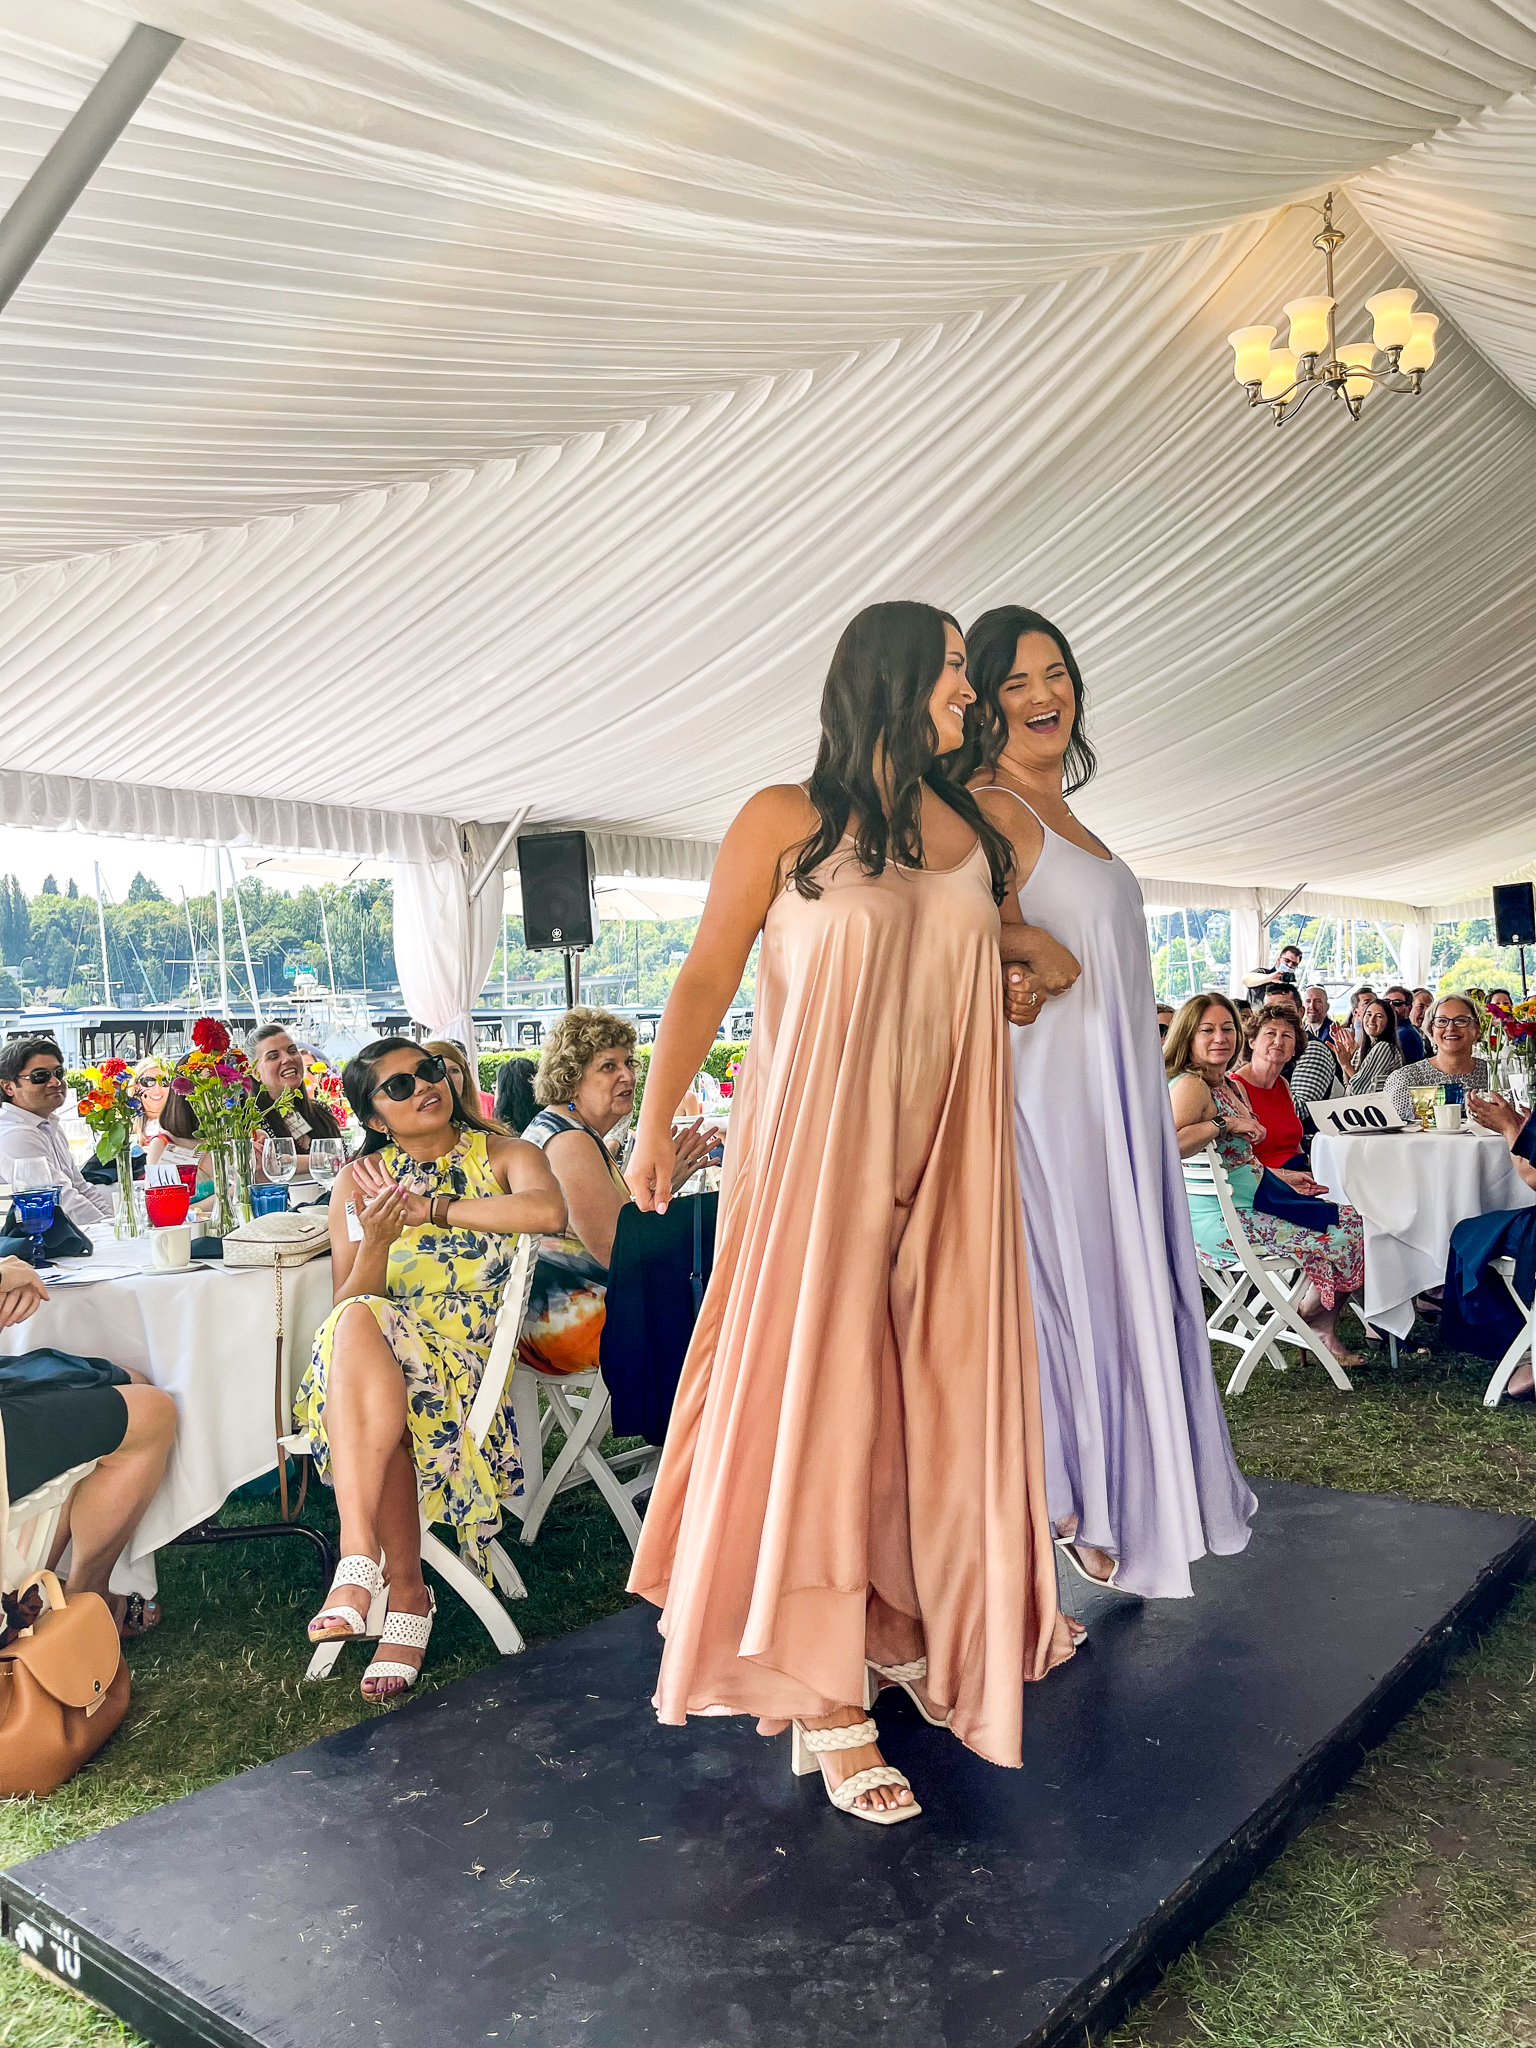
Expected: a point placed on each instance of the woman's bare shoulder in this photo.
(782, 813)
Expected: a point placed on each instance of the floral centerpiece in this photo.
(216, 1078)
(109, 1106)
(325, 1087)
(1511, 1038)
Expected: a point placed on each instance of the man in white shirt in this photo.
(32, 1091)
(1314, 1010)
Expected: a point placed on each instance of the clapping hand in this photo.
(385, 1208)
(22, 1294)
(1342, 1039)
(691, 1146)
(1496, 1113)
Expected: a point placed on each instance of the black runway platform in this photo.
(527, 1858)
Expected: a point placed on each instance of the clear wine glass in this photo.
(33, 1177)
(279, 1160)
(326, 1159)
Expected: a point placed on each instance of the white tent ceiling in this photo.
(447, 409)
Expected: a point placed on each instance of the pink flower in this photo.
(181, 1084)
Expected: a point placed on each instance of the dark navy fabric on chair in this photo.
(656, 1278)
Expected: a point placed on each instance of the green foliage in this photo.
(491, 1063)
(720, 1055)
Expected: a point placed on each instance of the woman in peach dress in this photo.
(853, 1483)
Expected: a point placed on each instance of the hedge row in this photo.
(719, 1056)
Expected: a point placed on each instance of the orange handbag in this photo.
(63, 1690)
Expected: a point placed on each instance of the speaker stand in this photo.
(1525, 987)
(572, 975)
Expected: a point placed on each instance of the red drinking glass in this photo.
(166, 1205)
(189, 1181)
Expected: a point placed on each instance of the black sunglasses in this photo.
(41, 1076)
(401, 1087)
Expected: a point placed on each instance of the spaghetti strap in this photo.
(1024, 800)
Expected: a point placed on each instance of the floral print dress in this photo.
(444, 1290)
(1332, 1259)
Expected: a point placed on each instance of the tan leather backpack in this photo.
(63, 1690)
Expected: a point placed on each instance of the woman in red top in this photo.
(1273, 1042)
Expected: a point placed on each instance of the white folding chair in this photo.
(29, 1525)
(1257, 1296)
(444, 1560)
(1524, 1345)
(579, 1403)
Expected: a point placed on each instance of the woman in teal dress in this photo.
(438, 1208)
(1211, 1106)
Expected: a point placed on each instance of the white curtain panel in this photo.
(1248, 949)
(1418, 945)
(444, 942)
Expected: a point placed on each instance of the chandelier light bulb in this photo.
(1393, 315)
(1250, 353)
(1282, 373)
(1419, 353)
(1359, 355)
(1309, 324)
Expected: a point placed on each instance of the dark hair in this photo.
(885, 668)
(17, 1054)
(177, 1118)
(1396, 988)
(991, 647)
(516, 1104)
(316, 1117)
(359, 1079)
(1375, 1037)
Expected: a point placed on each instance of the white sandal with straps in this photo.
(806, 1746)
(907, 1677)
(351, 1571)
(410, 1632)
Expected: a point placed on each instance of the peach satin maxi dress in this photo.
(855, 1458)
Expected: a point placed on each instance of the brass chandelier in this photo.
(1285, 378)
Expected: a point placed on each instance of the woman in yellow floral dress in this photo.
(397, 1362)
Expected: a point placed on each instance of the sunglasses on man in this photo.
(39, 1077)
(401, 1087)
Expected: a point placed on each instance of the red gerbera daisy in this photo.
(209, 1035)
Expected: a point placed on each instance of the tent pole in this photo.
(250, 972)
(45, 199)
(330, 957)
(195, 986)
(101, 926)
(218, 897)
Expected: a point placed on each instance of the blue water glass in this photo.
(34, 1212)
(268, 1200)
(1453, 1091)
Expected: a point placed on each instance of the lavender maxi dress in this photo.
(1136, 1442)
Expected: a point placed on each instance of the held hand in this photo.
(651, 1167)
(1247, 1127)
(1055, 970)
(22, 1294)
(369, 1177)
(1022, 999)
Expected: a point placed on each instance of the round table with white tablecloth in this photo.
(209, 1338)
(1412, 1188)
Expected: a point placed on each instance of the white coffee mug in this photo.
(1447, 1116)
(170, 1247)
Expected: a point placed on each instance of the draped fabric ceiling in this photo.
(433, 412)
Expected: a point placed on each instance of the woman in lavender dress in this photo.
(1139, 1469)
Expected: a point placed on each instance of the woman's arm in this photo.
(362, 1268)
(592, 1201)
(532, 1202)
(1192, 1118)
(741, 890)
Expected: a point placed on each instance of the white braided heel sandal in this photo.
(805, 1749)
(411, 1632)
(907, 1677)
(337, 1620)
(1067, 1547)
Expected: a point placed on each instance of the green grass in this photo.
(1405, 1917)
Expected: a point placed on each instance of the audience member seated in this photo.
(1369, 1065)
(516, 1103)
(151, 1085)
(1419, 1009)
(33, 1092)
(58, 1411)
(1409, 1043)
(1357, 1001)
(1476, 1313)
(177, 1146)
(1286, 1187)
(1211, 1107)
(279, 1066)
(586, 1088)
(397, 1362)
(1453, 1027)
(1311, 1072)
(1316, 1021)
(478, 1107)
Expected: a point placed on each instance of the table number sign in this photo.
(1356, 1116)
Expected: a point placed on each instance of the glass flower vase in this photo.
(227, 1210)
(125, 1223)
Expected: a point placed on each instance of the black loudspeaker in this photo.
(559, 907)
(1514, 913)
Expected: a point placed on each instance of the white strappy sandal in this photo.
(1067, 1547)
(410, 1632)
(907, 1677)
(336, 1620)
(806, 1746)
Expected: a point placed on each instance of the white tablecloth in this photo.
(1411, 1191)
(209, 1338)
